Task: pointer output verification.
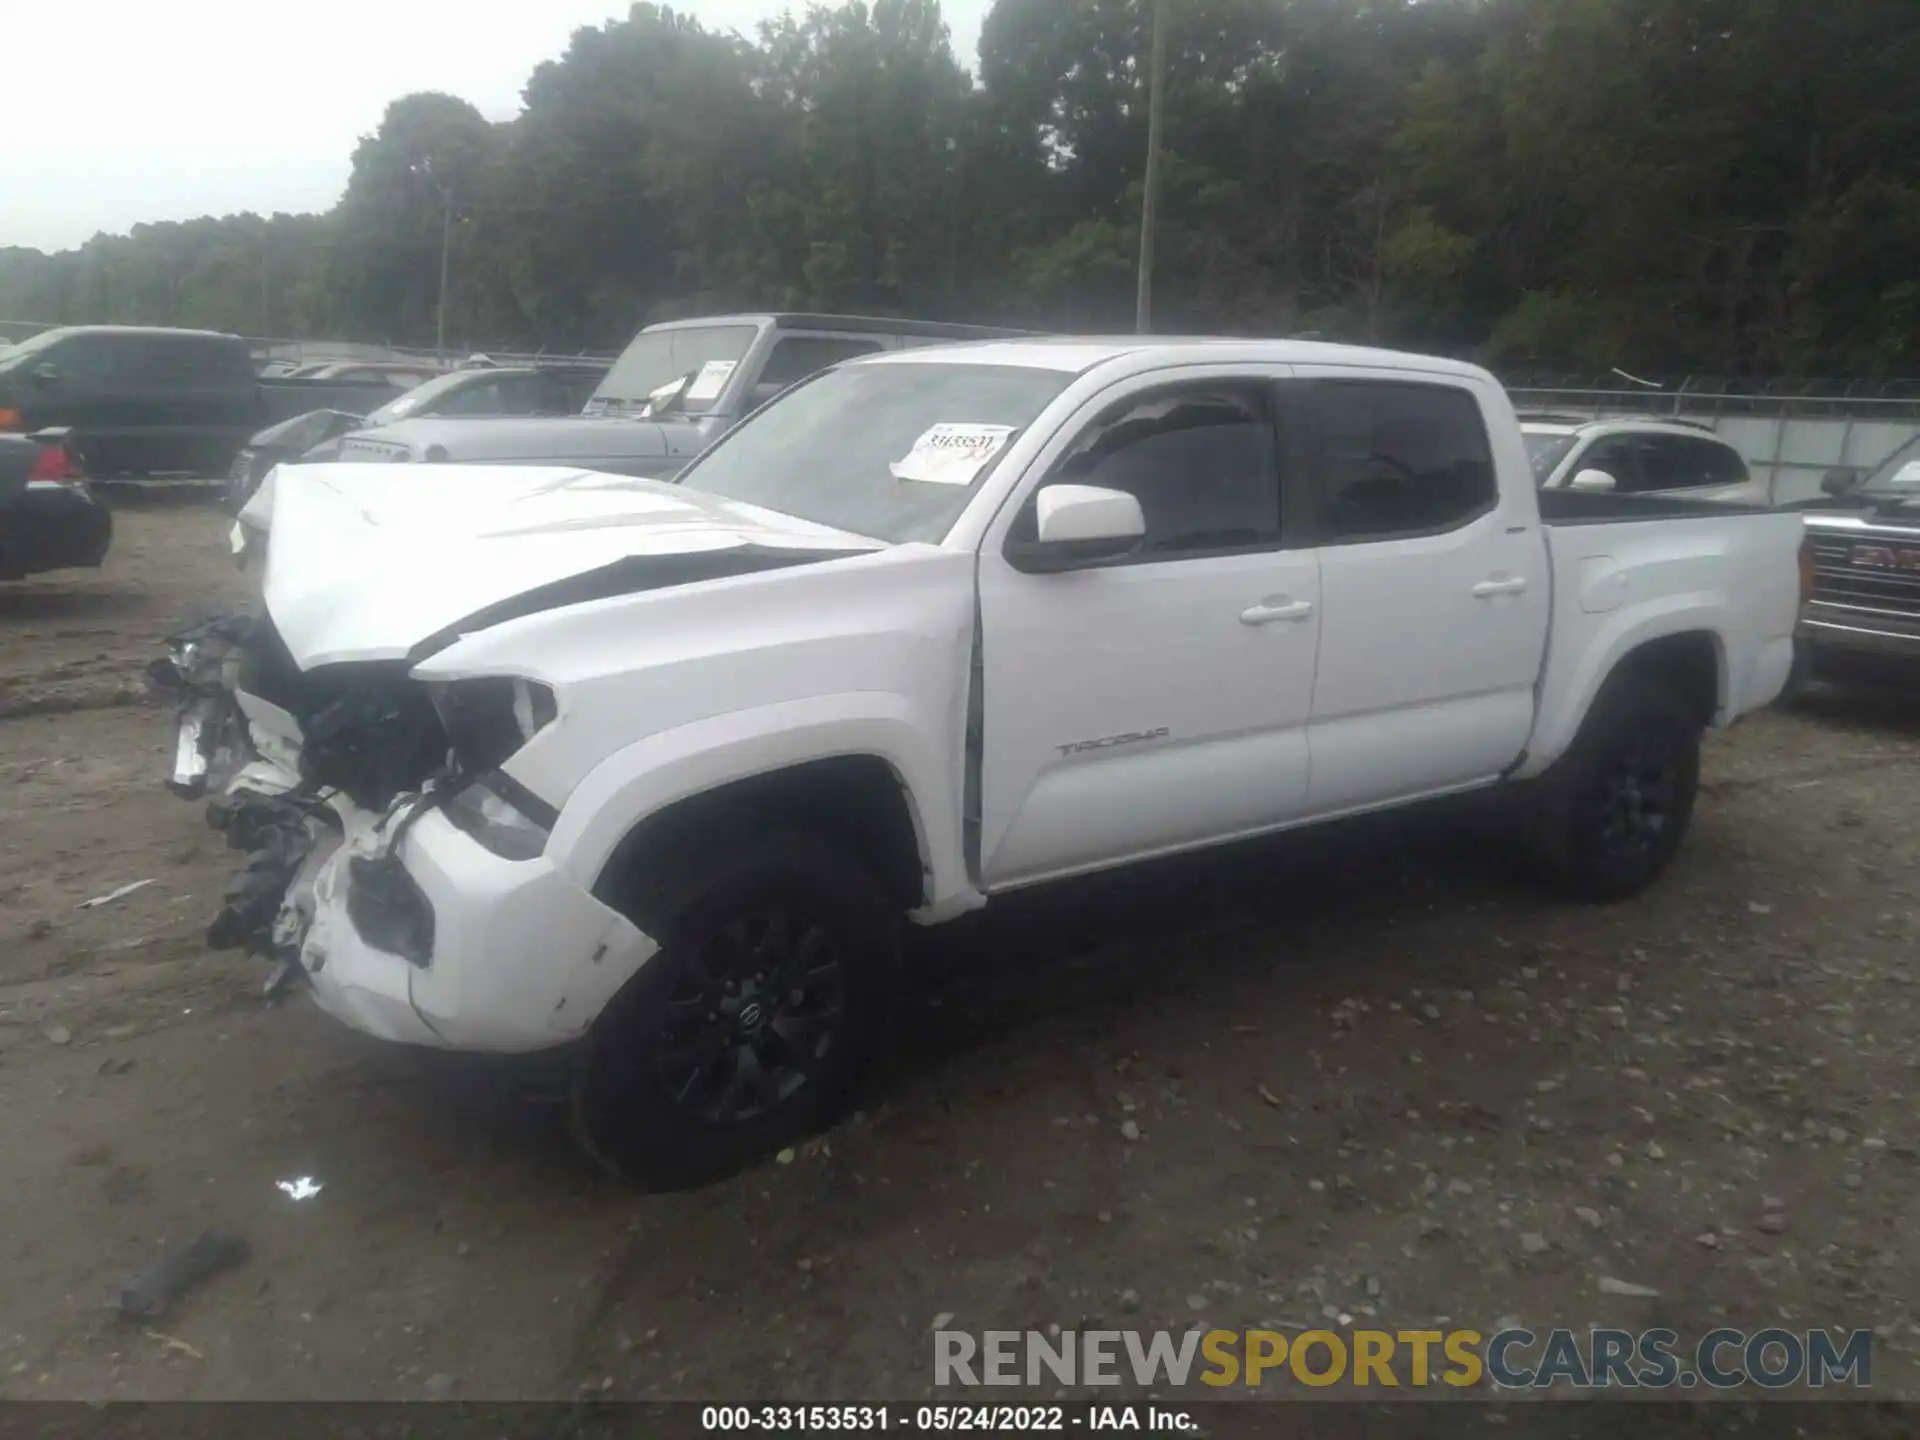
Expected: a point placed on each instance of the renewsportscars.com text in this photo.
(1390, 1359)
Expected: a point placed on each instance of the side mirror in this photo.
(46, 373)
(1598, 481)
(1078, 525)
(1840, 482)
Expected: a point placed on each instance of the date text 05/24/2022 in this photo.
(932, 1419)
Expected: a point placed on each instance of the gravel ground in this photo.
(1368, 1075)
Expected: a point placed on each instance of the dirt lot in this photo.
(1372, 1078)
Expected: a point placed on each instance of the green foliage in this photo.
(1708, 186)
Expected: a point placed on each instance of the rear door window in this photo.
(1684, 462)
(1662, 461)
(179, 362)
(1399, 459)
(1721, 464)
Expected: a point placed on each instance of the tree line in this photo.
(1725, 187)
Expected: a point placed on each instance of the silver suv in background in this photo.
(1635, 456)
(667, 397)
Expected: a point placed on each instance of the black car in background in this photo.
(49, 519)
(486, 390)
(134, 400)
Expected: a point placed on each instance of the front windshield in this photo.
(660, 357)
(423, 394)
(893, 452)
(1899, 475)
(1546, 450)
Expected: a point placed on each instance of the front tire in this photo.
(743, 1034)
(1612, 812)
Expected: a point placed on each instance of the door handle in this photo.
(1513, 585)
(1266, 612)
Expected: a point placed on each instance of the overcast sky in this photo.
(122, 112)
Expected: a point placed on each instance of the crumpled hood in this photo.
(365, 564)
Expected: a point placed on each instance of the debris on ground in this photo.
(149, 1294)
(172, 1342)
(1611, 1286)
(112, 895)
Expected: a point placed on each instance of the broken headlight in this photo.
(503, 817)
(489, 719)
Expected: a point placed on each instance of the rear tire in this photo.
(743, 1034)
(1611, 813)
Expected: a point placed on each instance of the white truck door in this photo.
(1159, 701)
(1434, 590)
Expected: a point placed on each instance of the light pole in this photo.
(1156, 76)
(446, 248)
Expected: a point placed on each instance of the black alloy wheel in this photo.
(755, 1015)
(744, 1033)
(1609, 816)
(1639, 797)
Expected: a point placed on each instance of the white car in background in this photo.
(1633, 456)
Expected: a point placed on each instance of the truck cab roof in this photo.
(1079, 354)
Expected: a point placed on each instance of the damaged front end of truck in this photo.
(306, 729)
(294, 766)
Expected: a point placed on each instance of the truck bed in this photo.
(1587, 507)
(1708, 567)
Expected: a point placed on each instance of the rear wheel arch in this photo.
(1691, 664)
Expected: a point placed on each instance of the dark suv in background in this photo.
(134, 401)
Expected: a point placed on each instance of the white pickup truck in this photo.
(539, 758)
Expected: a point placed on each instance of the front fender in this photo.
(648, 776)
